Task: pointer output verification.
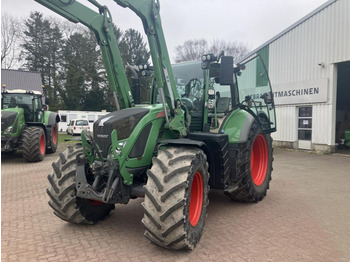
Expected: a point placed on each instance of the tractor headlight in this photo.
(9, 129)
(122, 144)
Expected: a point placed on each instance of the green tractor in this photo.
(208, 126)
(26, 125)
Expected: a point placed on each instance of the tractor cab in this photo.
(29, 101)
(207, 100)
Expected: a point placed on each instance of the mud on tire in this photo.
(62, 192)
(254, 166)
(176, 198)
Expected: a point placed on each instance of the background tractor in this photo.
(208, 126)
(26, 125)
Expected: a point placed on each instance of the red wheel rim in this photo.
(196, 201)
(54, 135)
(259, 160)
(42, 144)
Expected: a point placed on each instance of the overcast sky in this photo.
(253, 22)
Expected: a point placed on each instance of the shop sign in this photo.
(304, 92)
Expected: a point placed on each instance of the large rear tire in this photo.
(254, 166)
(54, 140)
(176, 198)
(34, 143)
(62, 192)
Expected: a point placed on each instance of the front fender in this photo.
(51, 118)
(237, 126)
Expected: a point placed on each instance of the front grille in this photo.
(124, 121)
(7, 119)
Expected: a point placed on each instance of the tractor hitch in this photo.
(113, 192)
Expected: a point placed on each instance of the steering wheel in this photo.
(187, 103)
(196, 84)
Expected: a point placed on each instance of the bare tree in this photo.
(236, 49)
(10, 33)
(192, 50)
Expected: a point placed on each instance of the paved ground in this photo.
(305, 217)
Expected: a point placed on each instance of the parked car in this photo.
(75, 127)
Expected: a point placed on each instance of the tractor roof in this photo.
(21, 91)
(18, 79)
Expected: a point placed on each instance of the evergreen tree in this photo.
(134, 52)
(70, 62)
(79, 70)
(41, 50)
(133, 49)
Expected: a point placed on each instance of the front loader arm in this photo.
(148, 11)
(101, 24)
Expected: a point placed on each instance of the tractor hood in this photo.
(8, 119)
(124, 121)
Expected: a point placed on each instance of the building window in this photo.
(305, 123)
(91, 118)
(63, 118)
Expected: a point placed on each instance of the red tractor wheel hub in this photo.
(196, 201)
(259, 160)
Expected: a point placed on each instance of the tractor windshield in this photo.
(16, 100)
(29, 102)
(189, 79)
(255, 90)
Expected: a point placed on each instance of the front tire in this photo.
(62, 192)
(34, 144)
(254, 166)
(176, 198)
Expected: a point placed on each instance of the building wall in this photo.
(306, 54)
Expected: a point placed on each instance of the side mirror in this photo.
(268, 98)
(47, 100)
(226, 70)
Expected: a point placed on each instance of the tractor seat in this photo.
(222, 107)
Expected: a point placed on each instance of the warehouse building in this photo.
(17, 79)
(309, 69)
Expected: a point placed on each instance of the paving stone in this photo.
(305, 216)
